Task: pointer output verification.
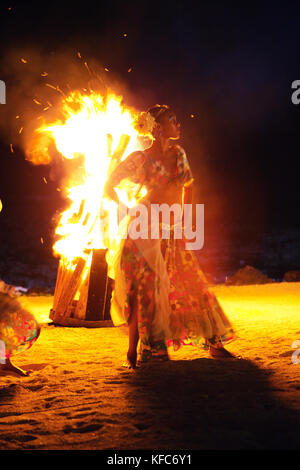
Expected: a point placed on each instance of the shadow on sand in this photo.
(208, 404)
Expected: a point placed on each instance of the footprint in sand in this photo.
(55, 399)
(82, 429)
(24, 421)
(49, 398)
(33, 388)
(286, 354)
(74, 379)
(52, 401)
(80, 415)
(25, 438)
(9, 413)
(113, 382)
(296, 386)
(142, 426)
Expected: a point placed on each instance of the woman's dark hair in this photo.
(158, 110)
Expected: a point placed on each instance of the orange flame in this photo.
(98, 131)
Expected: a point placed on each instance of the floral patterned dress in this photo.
(18, 328)
(192, 314)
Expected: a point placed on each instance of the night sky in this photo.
(230, 66)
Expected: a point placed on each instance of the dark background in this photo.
(230, 66)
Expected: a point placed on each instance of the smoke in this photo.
(36, 84)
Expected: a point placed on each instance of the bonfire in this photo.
(97, 132)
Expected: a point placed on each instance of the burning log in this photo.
(97, 287)
(109, 144)
(80, 308)
(118, 153)
(67, 286)
(60, 274)
(122, 145)
(93, 306)
(82, 292)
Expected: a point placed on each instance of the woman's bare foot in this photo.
(220, 353)
(9, 367)
(130, 363)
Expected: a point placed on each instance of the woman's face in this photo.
(169, 126)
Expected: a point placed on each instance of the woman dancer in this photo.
(18, 331)
(160, 289)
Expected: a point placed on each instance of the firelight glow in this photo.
(99, 132)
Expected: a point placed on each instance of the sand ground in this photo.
(79, 396)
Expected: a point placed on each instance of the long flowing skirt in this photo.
(18, 328)
(164, 283)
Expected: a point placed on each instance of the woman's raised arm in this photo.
(132, 168)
